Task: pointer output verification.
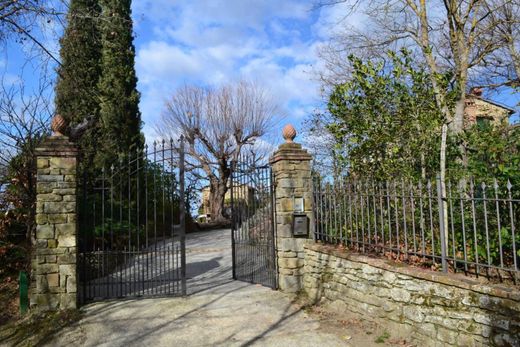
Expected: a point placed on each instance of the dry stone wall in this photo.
(53, 270)
(434, 309)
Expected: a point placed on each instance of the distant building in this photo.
(481, 111)
(241, 192)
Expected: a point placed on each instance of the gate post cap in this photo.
(58, 125)
(289, 133)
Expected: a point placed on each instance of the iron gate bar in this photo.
(252, 234)
(114, 260)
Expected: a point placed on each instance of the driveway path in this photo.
(218, 311)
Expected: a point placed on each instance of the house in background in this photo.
(483, 111)
(243, 193)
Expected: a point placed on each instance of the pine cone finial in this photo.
(58, 125)
(289, 133)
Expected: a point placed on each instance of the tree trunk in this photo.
(457, 125)
(444, 138)
(217, 194)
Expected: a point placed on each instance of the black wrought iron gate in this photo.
(253, 236)
(132, 227)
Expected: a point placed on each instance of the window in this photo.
(483, 122)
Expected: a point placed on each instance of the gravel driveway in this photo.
(217, 312)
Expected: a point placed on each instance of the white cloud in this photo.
(212, 42)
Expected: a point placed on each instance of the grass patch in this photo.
(382, 338)
(36, 329)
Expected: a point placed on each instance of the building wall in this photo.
(479, 108)
(432, 308)
(240, 193)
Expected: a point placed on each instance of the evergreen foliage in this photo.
(385, 119)
(77, 94)
(119, 108)
(386, 125)
(97, 78)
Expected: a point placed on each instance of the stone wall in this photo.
(53, 270)
(430, 307)
(292, 178)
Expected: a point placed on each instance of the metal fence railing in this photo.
(464, 227)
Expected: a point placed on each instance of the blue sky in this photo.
(272, 42)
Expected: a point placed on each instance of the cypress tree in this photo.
(77, 94)
(119, 108)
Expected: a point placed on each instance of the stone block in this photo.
(57, 218)
(45, 187)
(71, 218)
(65, 185)
(63, 162)
(57, 290)
(45, 231)
(49, 178)
(65, 229)
(448, 336)
(290, 263)
(290, 284)
(67, 241)
(59, 207)
(284, 205)
(69, 198)
(68, 270)
(44, 302)
(42, 163)
(44, 269)
(50, 259)
(41, 218)
(70, 178)
(414, 313)
(400, 295)
(284, 271)
(287, 183)
(49, 197)
(71, 284)
(289, 254)
(53, 280)
(68, 301)
(42, 285)
(291, 244)
(52, 243)
(67, 258)
(64, 191)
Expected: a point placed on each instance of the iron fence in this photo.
(464, 227)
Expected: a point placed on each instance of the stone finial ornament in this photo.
(58, 125)
(289, 133)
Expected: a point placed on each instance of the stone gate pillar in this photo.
(53, 270)
(291, 166)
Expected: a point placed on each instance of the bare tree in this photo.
(24, 121)
(218, 124)
(448, 35)
(502, 67)
(321, 143)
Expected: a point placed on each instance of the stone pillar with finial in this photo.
(291, 166)
(53, 267)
